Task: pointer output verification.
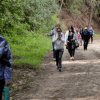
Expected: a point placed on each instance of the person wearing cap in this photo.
(86, 38)
(59, 40)
(52, 34)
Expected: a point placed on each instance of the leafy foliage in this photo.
(18, 15)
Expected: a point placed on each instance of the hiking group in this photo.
(72, 39)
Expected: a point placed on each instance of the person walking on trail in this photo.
(81, 33)
(78, 35)
(59, 40)
(52, 34)
(70, 43)
(86, 38)
(5, 65)
(91, 31)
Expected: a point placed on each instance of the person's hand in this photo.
(45, 35)
(8, 84)
(59, 38)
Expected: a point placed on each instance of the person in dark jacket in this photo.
(5, 64)
(86, 38)
(81, 33)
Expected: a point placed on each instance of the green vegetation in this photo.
(96, 35)
(23, 23)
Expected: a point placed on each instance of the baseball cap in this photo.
(85, 28)
(52, 27)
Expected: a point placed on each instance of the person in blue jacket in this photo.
(5, 64)
(91, 31)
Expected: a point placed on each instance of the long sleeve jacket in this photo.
(5, 60)
(74, 37)
(59, 44)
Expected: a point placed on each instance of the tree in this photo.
(91, 14)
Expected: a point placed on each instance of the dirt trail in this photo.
(79, 80)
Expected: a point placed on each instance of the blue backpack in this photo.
(91, 32)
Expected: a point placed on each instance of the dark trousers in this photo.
(2, 83)
(59, 54)
(71, 49)
(85, 45)
(53, 50)
(91, 37)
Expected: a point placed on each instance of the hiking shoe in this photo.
(72, 59)
(59, 69)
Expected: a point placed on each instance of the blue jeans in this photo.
(53, 51)
(81, 41)
(59, 54)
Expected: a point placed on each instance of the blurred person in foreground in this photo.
(5, 64)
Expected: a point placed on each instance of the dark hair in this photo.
(57, 25)
(71, 27)
(81, 28)
(59, 28)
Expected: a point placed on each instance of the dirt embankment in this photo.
(78, 21)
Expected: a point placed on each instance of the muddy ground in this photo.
(79, 79)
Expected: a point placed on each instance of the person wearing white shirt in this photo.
(70, 38)
(59, 40)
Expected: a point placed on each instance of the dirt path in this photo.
(79, 80)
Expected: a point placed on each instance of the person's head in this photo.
(85, 28)
(81, 29)
(59, 30)
(71, 29)
(52, 27)
(76, 30)
(57, 26)
(90, 27)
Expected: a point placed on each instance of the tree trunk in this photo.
(60, 7)
(90, 20)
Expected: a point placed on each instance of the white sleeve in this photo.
(54, 38)
(66, 37)
(63, 38)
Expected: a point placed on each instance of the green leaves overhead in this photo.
(32, 12)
